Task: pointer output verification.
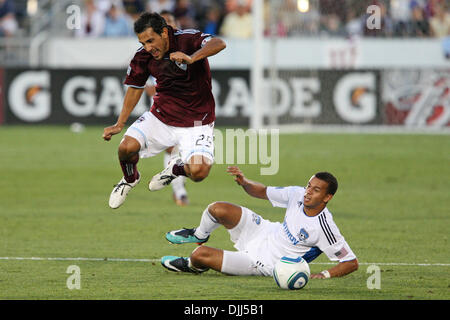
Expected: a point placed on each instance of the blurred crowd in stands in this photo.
(233, 18)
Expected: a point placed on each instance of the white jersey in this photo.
(302, 235)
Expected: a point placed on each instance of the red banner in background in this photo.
(416, 97)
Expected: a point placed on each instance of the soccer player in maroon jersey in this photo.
(183, 107)
(179, 192)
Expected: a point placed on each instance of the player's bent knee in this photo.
(199, 172)
(128, 147)
(221, 210)
(200, 255)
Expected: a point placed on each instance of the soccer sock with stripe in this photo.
(129, 169)
(207, 225)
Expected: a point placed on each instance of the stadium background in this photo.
(328, 81)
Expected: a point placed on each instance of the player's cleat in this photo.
(165, 177)
(184, 236)
(120, 192)
(179, 264)
(182, 201)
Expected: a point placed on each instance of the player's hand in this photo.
(237, 173)
(317, 276)
(181, 57)
(108, 132)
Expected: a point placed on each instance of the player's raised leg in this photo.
(128, 157)
(196, 169)
(179, 191)
(216, 214)
(197, 157)
(203, 257)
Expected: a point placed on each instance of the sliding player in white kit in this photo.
(308, 230)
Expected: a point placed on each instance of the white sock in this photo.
(178, 183)
(207, 225)
(166, 159)
(178, 187)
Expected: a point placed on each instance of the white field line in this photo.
(158, 260)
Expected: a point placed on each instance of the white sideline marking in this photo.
(158, 260)
(79, 259)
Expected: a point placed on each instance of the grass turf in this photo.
(392, 206)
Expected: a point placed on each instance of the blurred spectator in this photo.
(419, 25)
(330, 7)
(184, 13)
(20, 11)
(231, 5)
(278, 20)
(117, 24)
(293, 22)
(332, 26)
(238, 23)
(8, 22)
(440, 23)
(354, 25)
(92, 21)
(401, 15)
(170, 19)
(160, 5)
(386, 25)
(104, 5)
(213, 21)
(133, 8)
(232, 18)
(431, 8)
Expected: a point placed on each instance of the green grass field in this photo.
(392, 206)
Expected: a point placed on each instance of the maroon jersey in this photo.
(183, 91)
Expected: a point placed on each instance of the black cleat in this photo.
(179, 264)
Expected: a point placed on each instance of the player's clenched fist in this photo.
(108, 132)
(180, 57)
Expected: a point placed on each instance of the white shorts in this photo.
(250, 237)
(155, 136)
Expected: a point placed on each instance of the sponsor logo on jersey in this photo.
(292, 238)
(182, 66)
(303, 235)
(256, 218)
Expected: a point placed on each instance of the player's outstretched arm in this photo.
(212, 47)
(132, 97)
(339, 270)
(255, 189)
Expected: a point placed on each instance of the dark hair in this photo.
(330, 179)
(150, 20)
